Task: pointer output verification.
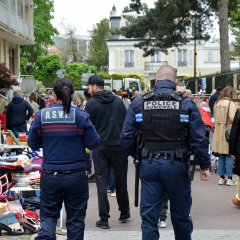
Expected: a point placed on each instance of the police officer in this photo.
(63, 132)
(169, 122)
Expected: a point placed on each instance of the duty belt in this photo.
(65, 172)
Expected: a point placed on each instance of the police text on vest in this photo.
(151, 105)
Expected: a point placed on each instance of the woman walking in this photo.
(79, 100)
(63, 132)
(222, 106)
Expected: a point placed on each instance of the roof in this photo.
(51, 48)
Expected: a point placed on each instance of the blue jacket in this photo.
(212, 100)
(17, 109)
(63, 137)
(193, 122)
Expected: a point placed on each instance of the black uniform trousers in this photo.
(103, 158)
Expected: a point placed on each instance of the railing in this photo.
(182, 64)
(3, 15)
(154, 66)
(15, 23)
(129, 64)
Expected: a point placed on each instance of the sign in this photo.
(151, 105)
(85, 76)
(61, 73)
(203, 84)
(107, 81)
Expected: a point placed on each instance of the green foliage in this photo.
(142, 7)
(76, 80)
(23, 65)
(80, 68)
(47, 66)
(214, 39)
(98, 50)
(236, 52)
(104, 76)
(43, 28)
(48, 81)
(166, 25)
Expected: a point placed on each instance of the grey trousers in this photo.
(164, 208)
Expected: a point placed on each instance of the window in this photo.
(128, 23)
(11, 60)
(210, 56)
(129, 59)
(156, 57)
(182, 58)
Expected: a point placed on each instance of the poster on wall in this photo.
(203, 84)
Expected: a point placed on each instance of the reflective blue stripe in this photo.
(184, 118)
(139, 117)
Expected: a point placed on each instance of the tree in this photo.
(167, 25)
(6, 80)
(143, 7)
(69, 44)
(236, 52)
(43, 28)
(214, 39)
(223, 29)
(98, 50)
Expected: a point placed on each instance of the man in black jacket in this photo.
(107, 113)
(17, 113)
(214, 98)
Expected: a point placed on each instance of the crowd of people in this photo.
(91, 130)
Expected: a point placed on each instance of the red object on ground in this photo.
(33, 116)
(206, 117)
(3, 123)
(31, 214)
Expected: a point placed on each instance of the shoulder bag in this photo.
(227, 131)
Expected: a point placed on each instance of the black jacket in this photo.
(212, 100)
(234, 142)
(17, 109)
(107, 113)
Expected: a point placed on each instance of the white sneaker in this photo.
(113, 194)
(231, 182)
(222, 181)
(162, 224)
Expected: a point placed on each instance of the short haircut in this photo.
(100, 87)
(16, 93)
(107, 88)
(166, 72)
(138, 94)
(5, 107)
(219, 89)
(188, 91)
(86, 94)
(181, 84)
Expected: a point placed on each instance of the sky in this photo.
(83, 14)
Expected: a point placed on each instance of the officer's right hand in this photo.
(204, 175)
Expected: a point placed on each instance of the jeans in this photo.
(222, 163)
(21, 128)
(111, 184)
(16, 129)
(157, 178)
(73, 190)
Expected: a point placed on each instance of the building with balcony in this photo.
(16, 28)
(125, 59)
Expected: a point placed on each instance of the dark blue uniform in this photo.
(63, 139)
(161, 175)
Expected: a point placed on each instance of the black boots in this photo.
(124, 217)
(102, 224)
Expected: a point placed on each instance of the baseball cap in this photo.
(95, 80)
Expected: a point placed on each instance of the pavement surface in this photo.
(213, 214)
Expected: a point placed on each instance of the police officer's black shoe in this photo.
(102, 224)
(124, 217)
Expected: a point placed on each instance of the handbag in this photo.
(227, 131)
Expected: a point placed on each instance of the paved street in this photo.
(213, 214)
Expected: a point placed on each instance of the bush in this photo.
(48, 81)
(23, 65)
(76, 80)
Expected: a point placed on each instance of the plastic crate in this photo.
(3, 123)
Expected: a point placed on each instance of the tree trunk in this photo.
(223, 28)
